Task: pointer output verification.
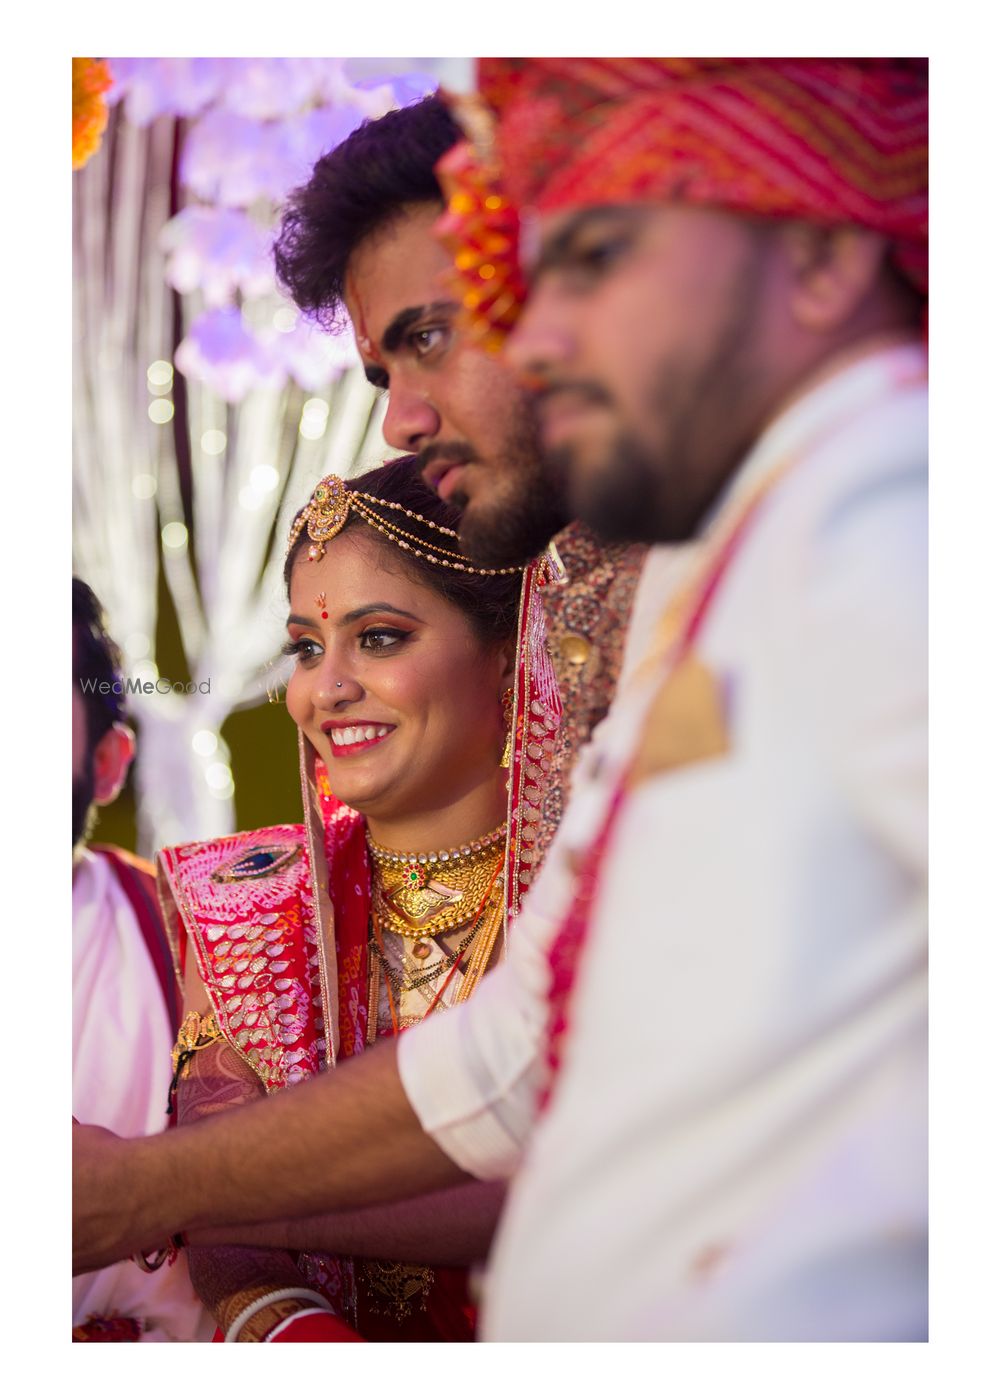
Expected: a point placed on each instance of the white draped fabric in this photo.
(736, 1147)
(121, 1073)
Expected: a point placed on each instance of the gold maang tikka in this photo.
(331, 503)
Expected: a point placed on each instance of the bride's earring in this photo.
(507, 705)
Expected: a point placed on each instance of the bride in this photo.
(301, 944)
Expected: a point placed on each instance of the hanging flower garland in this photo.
(91, 79)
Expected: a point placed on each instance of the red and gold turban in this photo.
(830, 140)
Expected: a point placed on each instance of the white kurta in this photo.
(736, 1148)
(122, 1040)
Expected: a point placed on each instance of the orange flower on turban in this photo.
(91, 79)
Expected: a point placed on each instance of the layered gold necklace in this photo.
(418, 894)
(421, 897)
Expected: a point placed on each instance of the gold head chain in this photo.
(331, 503)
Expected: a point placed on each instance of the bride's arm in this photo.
(449, 1229)
(230, 1278)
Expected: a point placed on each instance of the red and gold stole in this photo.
(535, 719)
(284, 983)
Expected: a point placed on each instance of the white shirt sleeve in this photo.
(472, 1075)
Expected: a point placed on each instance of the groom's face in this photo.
(460, 409)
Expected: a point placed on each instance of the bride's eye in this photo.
(381, 639)
(303, 649)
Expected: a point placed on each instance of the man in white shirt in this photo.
(717, 987)
(124, 995)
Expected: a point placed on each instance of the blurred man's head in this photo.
(103, 744)
(649, 415)
(359, 236)
(705, 237)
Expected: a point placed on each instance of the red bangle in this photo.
(310, 1326)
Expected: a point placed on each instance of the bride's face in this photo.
(392, 685)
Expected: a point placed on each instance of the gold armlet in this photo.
(196, 1033)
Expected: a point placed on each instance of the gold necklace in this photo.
(421, 893)
(472, 956)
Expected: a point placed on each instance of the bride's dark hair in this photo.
(489, 601)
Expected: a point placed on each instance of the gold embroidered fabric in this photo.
(587, 614)
(394, 1290)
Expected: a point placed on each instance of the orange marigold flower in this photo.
(91, 79)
